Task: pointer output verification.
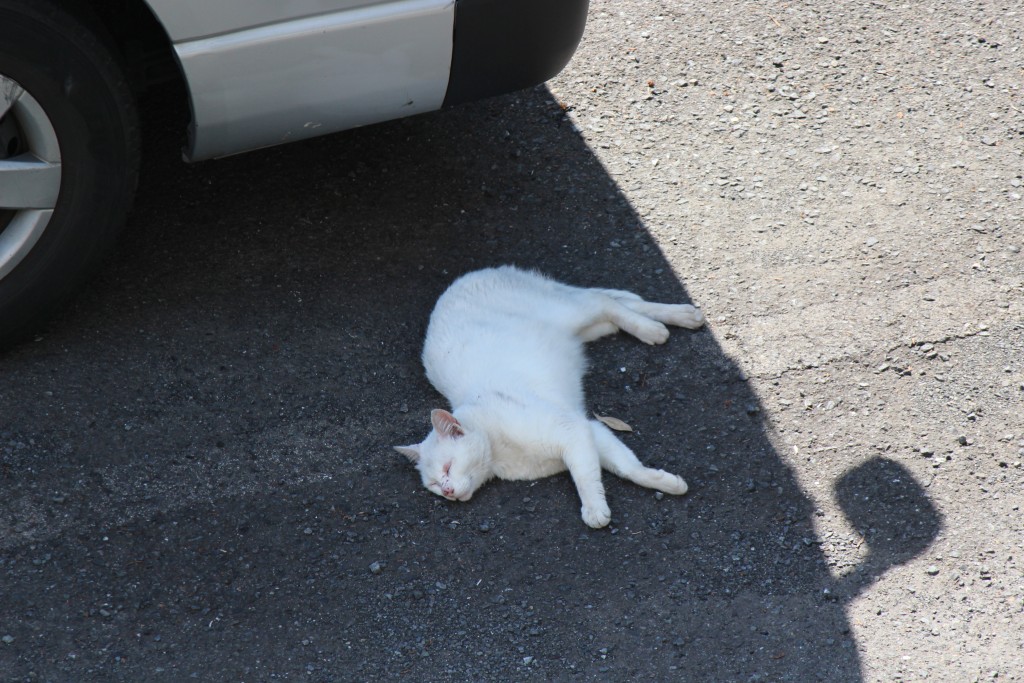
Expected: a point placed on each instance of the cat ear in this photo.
(411, 452)
(445, 423)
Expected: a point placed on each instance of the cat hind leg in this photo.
(597, 330)
(680, 315)
(620, 294)
(599, 312)
(621, 314)
(617, 458)
(606, 327)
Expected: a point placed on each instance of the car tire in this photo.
(69, 158)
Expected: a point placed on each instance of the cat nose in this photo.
(448, 489)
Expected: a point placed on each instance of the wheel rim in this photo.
(30, 173)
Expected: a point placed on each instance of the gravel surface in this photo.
(195, 459)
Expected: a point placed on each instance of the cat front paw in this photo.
(672, 484)
(597, 516)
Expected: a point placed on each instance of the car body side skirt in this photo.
(303, 77)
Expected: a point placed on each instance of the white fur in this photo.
(505, 347)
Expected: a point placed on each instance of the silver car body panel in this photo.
(305, 68)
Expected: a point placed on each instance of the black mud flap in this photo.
(505, 45)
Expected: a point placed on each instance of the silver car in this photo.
(256, 73)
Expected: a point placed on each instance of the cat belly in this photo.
(525, 461)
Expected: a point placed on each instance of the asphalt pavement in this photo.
(195, 458)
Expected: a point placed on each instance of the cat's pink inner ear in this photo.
(411, 452)
(445, 423)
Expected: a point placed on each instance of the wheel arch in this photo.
(139, 38)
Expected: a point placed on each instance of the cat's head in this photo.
(454, 461)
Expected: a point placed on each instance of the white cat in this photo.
(505, 347)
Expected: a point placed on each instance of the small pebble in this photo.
(8, 639)
(932, 570)
(375, 567)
